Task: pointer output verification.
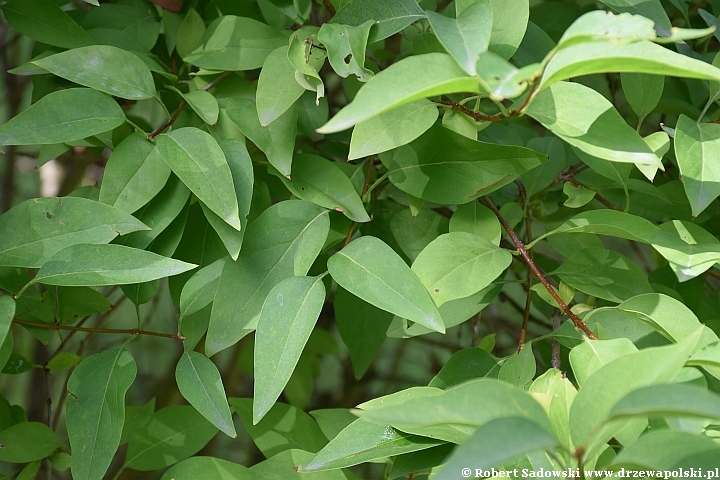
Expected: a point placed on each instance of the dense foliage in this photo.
(360, 238)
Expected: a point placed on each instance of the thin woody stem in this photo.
(481, 117)
(523, 252)
(368, 175)
(128, 331)
(167, 123)
(528, 298)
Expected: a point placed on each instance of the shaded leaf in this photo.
(46, 22)
(277, 88)
(389, 18)
(208, 467)
(27, 441)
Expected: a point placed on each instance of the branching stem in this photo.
(122, 331)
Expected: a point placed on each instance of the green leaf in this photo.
(578, 196)
(497, 443)
(36, 229)
(411, 78)
(207, 467)
(63, 361)
(243, 178)
(277, 89)
(362, 441)
(600, 25)
(321, 182)
(204, 104)
(465, 36)
(390, 17)
(603, 273)
(95, 410)
(284, 464)
(669, 400)
(346, 48)
(286, 320)
(588, 357)
(63, 116)
(445, 167)
(276, 140)
(639, 57)
(667, 450)
(235, 43)
(362, 327)
(613, 381)
(199, 382)
(134, 174)
(7, 313)
(27, 442)
(697, 146)
(459, 264)
(464, 365)
(200, 290)
(643, 92)
(477, 219)
(501, 79)
(197, 159)
(651, 9)
(392, 128)
(46, 22)
(519, 369)
(597, 129)
(371, 270)
(283, 242)
(510, 21)
(105, 68)
(173, 433)
(92, 265)
(283, 427)
(189, 33)
(456, 413)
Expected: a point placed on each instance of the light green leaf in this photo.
(651, 9)
(477, 219)
(46, 22)
(496, 443)
(362, 441)
(392, 128)
(283, 465)
(639, 57)
(200, 163)
(459, 264)
(204, 104)
(445, 167)
(642, 91)
(277, 89)
(200, 290)
(172, 434)
(510, 20)
(603, 273)
(667, 449)
(697, 148)
(95, 411)
(105, 68)
(207, 467)
(91, 265)
(591, 355)
(189, 33)
(577, 196)
(669, 400)
(236, 43)
(501, 79)
(390, 17)
(286, 321)
(63, 361)
(519, 369)
(371, 270)
(134, 174)
(321, 182)
(600, 25)
(596, 129)
(307, 62)
(36, 229)
(460, 123)
(27, 441)
(456, 413)
(465, 36)
(243, 177)
(63, 116)
(411, 78)
(659, 142)
(283, 242)
(199, 382)
(283, 427)
(276, 140)
(362, 327)
(346, 48)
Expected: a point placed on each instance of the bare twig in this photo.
(127, 331)
(523, 252)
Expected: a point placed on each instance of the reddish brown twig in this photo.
(123, 331)
(530, 263)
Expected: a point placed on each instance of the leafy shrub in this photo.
(508, 187)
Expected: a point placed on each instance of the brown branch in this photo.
(481, 117)
(329, 6)
(167, 123)
(128, 331)
(555, 358)
(523, 252)
(368, 175)
(714, 274)
(528, 297)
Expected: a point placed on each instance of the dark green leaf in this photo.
(464, 365)
(207, 467)
(46, 22)
(27, 442)
(389, 18)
